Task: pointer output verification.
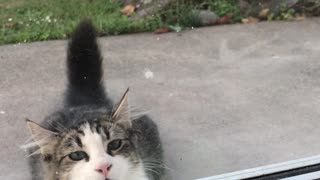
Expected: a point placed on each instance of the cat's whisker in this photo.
(133, 108)
(157, 164)
(151, 169)
(138, 115)
(57, 125)
(38, 151)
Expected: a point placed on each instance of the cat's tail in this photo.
(84, 68)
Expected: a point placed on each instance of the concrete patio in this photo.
(226, 98)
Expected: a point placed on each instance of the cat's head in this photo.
(96, 149)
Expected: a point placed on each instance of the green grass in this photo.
(181, 12)
(36, 20)
(223, 7)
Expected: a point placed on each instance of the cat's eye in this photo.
(77, 156)
(114, 145)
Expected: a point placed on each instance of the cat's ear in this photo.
(40, 135)
(121, 112)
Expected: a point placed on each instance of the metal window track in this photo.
(301, 169)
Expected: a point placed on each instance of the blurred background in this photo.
(37, 20)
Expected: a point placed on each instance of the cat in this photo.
(90, 138)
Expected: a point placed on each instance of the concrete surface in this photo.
(226, 98)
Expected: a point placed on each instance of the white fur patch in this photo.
(93, 145)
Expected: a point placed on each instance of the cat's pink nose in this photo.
(104, 168)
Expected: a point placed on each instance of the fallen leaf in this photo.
(224, 19)
(162, 30)
(250, 19)
(264, 13)
(127, 10)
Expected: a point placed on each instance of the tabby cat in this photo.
(90, 138)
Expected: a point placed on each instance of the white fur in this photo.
(121, 168)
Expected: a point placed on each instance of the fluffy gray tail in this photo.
(84, 67)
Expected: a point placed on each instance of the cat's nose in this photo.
(104, 168)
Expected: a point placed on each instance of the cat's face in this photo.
(96, 149)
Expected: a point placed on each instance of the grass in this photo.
(36, 20)
(223, 7)
(181, 11)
